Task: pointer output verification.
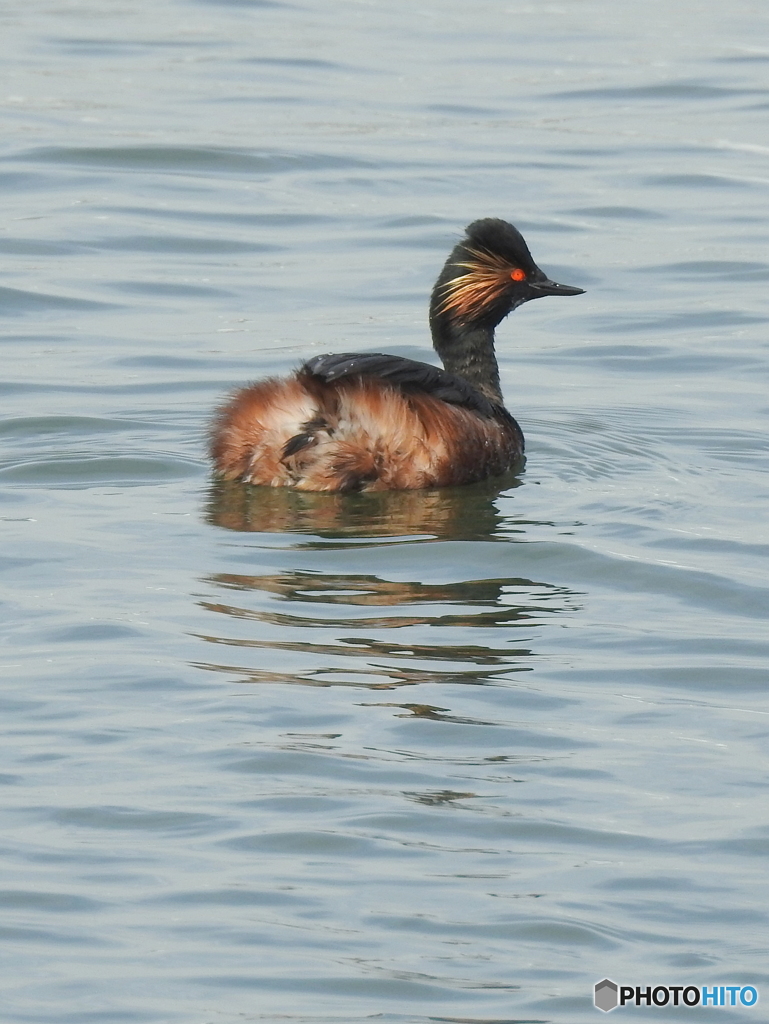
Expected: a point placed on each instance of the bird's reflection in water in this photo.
(313, 624)
(450, 513)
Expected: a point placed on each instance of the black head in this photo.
(489, 274)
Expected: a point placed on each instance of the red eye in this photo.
(518, 275)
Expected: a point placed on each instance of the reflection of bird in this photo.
(436, 513)
(367, 421)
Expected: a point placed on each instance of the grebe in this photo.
(369, 421)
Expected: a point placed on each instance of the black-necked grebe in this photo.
(368, 421)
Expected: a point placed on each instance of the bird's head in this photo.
(489, 274)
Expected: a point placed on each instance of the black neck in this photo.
(468, 351)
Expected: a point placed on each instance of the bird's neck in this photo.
(468, 352)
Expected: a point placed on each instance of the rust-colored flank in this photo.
(356, 434)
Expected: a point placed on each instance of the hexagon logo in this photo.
(606, 995)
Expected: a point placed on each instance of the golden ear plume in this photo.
(487, 277)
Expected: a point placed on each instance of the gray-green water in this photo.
(433, 756)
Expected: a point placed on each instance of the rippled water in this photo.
(451, 755)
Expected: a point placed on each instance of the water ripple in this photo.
(187, 159)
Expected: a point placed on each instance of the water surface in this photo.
(449, 755)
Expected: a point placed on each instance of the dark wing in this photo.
(407, 374)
